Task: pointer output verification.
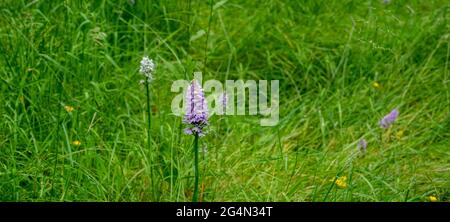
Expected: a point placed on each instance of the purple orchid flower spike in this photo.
(196, 110)
(389, 118)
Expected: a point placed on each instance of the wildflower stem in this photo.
(195, 195)
(149, 137)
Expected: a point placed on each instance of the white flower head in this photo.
(147, 68)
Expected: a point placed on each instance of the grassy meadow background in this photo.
(342, 66)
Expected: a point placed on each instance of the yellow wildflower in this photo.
(76, 143)
(376, 85)
(69, 109)
(341, 182)
(433, 198)
(399, 134)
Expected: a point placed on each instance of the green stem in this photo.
(207, 33)
(195, 196)
(59, 83)
(149, 138)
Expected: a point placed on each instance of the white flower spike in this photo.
(147, 68)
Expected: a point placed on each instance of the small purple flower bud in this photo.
(196, 109)
(223, 99)
(362, 145)
(389, 119)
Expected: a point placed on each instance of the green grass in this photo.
(326, 54)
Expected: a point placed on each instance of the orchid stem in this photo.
(149, 138)
(195, 195)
